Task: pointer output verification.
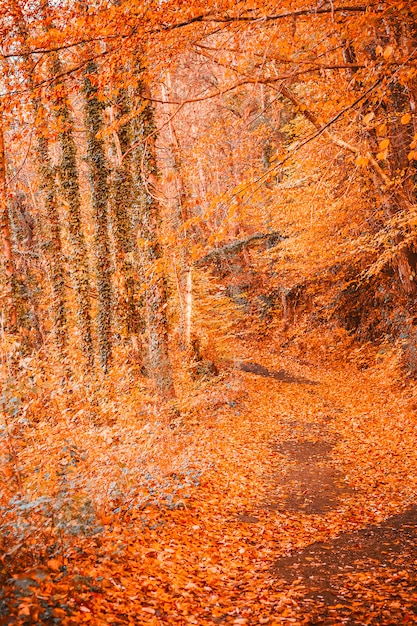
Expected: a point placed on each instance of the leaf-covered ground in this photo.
(283, 494)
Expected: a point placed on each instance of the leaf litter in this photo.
(270, 501)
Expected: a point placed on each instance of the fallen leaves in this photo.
(209, 560)
(54, 565)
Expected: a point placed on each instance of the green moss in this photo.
(98, 170)
(122, 214)
(54, 244)
(69, 183)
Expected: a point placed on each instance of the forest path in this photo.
(364, 576)
(304, 462)
(299, 511)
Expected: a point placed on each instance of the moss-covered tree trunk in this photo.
(100, 196)
(70, 189)
(9, 267)
(27, 256)
(122, 213)
(53, 246)
(152, 260)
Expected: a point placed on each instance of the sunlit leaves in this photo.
(387, 53)
(368, 117)
(383, 149)
(362, 161)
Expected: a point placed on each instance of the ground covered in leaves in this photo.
(283, 493)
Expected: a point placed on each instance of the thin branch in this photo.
(81, 42)
(301, 144)
(55, 78)
(299, 13)
(21, 166)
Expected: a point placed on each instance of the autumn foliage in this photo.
(208, 283)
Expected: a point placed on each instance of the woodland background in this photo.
(178, 179)
(149, 149)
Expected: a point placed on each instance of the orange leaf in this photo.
(54, 564)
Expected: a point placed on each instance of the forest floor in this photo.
(299, 509)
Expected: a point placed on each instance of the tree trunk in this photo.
(151, 252)
(11, 311)
(26, 253)
(53, 248)
(188, 306)
(68, 175)
(122, 217)
(100, 195)
(54, 252)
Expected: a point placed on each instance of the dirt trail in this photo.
(368, 576)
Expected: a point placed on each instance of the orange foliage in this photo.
(257, 205)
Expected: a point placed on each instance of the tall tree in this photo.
(180, 215)
(69, 182)
(100, 195)
(54, 253)
(48, 186)
(9, 266)
(151, 253)
(122, 217)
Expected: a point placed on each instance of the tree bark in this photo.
(54, 252)
(47, 177)
(180, 214)
(11, 311)
(122, 216)
(98, 167)
(69, 180)
(151, 252)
